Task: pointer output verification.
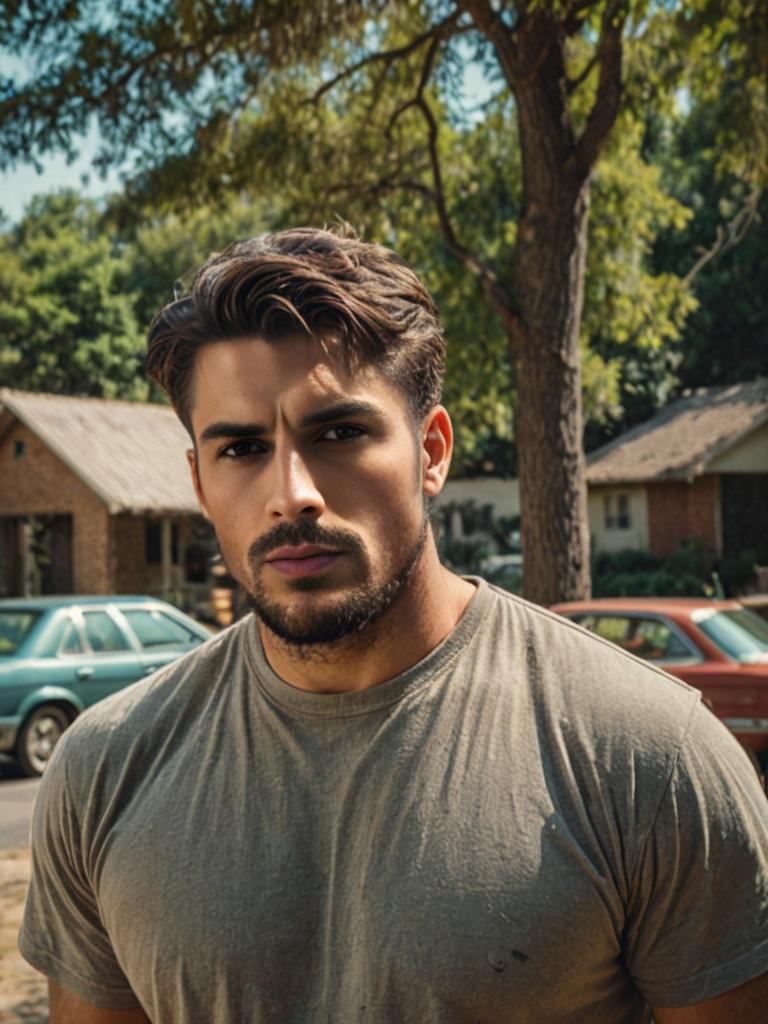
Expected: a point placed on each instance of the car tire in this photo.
(41, 731)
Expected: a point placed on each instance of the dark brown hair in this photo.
(319, 282)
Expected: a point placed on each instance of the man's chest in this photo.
(361, 892)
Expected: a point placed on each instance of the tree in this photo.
(66, 320)
(726, 337)
(161, 252)
(362, 99)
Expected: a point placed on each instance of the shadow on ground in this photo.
(9, 770)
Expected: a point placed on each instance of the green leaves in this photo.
(66, 319)
(319, 110)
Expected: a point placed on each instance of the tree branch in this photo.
(426, 71)
(606, 106)
(499, 34)
(438, 32)
(499, 296)
(572, 84)
(728, 236)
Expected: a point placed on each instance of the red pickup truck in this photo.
(720, 647)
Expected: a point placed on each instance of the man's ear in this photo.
(436, 450)
(194, 473)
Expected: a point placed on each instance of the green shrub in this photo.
(737, 572)
(632, 573)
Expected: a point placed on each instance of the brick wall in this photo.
(679, 511)
(38, 483)
(132, 574)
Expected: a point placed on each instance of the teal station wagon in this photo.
(58, 655)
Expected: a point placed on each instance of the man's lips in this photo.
(303, 560)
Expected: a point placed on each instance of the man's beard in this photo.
(350, 613)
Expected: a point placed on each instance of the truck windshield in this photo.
(740, 633)
(14, 626)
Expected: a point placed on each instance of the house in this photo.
(462, 506)
(696, 471)
(95, 497)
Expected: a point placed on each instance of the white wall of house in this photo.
(618, 517)
(603, 503)
(750, 455)
(504, 495)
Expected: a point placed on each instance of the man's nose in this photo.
(293, 492)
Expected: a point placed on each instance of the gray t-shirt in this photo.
(527, 826)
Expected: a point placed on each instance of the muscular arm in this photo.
(66, 1008)
(745, 1004)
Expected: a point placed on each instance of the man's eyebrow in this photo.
(341, 411)
(223, 428)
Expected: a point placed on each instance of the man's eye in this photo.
(240, 450)
(341, 432)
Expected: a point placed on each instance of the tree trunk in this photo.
(549, 284)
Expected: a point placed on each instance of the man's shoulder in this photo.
(579, 673)
(145, 707)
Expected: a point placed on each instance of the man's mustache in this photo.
(304, 531)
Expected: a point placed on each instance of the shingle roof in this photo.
(682, 439)
(129, 453)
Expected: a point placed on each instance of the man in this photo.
(392, 795)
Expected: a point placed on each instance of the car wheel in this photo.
(39, 734)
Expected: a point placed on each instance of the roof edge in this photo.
(718, 449)
(7, 401)
(59, 451)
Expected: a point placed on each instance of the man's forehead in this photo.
(300, 370)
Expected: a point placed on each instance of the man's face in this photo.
(312, 478)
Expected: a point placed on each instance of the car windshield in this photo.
(740, 633)
(14, 626)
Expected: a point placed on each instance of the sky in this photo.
(18, 186)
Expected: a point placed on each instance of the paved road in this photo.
(17, 796)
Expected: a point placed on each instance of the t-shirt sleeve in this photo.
(698, 916)
(62, 934)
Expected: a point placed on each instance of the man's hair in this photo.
(325, 284)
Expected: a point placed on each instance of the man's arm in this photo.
(66, 1008)
(745, 1004)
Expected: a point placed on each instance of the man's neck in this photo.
(420, 618)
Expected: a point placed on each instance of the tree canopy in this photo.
(66, 319)
(362, 109)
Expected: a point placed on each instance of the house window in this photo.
(616, 509)
(153, 538)
(18, 450)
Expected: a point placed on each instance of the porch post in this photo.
(166, 556)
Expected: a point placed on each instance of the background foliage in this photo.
(217, 108)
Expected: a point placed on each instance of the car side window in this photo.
(676, 649)
(103, 634)
(156, 630)
(616, 628)
(651, 639)
(647, 638)
(72, 642)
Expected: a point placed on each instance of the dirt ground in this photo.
(23, 992)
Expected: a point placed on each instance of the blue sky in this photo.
(18, 186)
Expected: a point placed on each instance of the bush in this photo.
(738, 573)
(639, 574)
(464, 554)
